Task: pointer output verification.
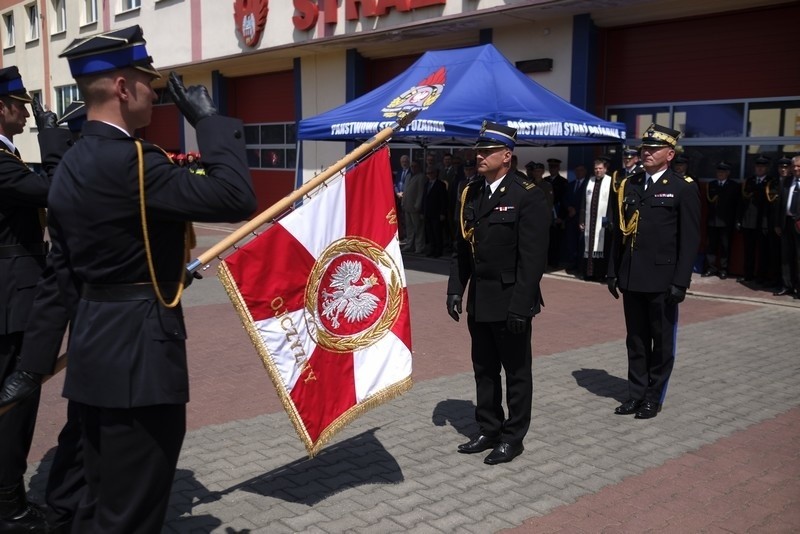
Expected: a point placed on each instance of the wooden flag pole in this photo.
(61, 363)
(285, 203)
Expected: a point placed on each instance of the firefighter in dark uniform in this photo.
(23, 197)
(722, 197)
(119, 222)
(44, 334)
(758, 194)
(502, 254)
(654, 248)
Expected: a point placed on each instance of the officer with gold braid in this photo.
(118, 218)
(501, 254)
(653, 251)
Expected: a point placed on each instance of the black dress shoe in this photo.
(708, 273)
(783, 291)
(18, 386)
(504, 452)
(647, 410)
(31, 518)
(479, 443)
(723, 274)
(744, 279)
(628, 407)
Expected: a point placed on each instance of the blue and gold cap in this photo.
(109, 51)
(495, 135)
(660, 136)
(74, 116)
(11, 85)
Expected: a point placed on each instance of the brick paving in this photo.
(721, 457)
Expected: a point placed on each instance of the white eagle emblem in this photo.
(354, 300)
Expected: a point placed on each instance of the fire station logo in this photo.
(250, 17)
(420, 97)
(353, 296)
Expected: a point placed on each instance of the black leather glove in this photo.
(194, 103)
(454, 306)
(612, 286)
(516, 323)
(19, 385)
(675, 294)
(44, 119)
(189, 277)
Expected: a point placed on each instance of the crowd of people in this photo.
(757, 209)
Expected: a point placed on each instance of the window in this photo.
(127, 5)
(64, 97)
(8, 24)
(37, 95)
(59, 16)
(89, 11)
(33, 21)
(271, 146)
(733, 131)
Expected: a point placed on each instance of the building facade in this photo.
(720, 70)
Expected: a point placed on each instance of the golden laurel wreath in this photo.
(394, 302)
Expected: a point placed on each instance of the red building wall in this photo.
(745, 54)
(265, 98)
(164, 129)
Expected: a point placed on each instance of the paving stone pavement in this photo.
(395, 468)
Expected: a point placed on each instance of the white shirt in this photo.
(651, 179)
(494, 185)
(6, 141)
(789, 197)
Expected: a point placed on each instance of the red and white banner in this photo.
(323, 295)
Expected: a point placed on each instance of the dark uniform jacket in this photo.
(756, 200)
(23, 194)
(722, 203)
(506, 258)
(132, 353)
(663, 249)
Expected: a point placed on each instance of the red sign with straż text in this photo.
(308, 10)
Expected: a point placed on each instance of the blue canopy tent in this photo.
(455, 91)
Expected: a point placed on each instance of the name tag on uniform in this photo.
(664, 195)
(503, 208)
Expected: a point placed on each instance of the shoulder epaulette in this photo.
(688, 179)
(525, 183)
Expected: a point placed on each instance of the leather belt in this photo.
(124, 292)
(29, 249)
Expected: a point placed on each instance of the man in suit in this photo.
(120, 274)
(654, 248)
(434, 210)
(401, 176)
(559, 184)
(573, 235)
(758, 193)
(788, 212)
(722, 196)
(412, 210)
(502, 255)
(23, 197)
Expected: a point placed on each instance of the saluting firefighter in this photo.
(654, 248)
(502, 254)
(119, 212)
(23, 197)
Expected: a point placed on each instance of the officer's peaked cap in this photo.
(11, 84)
(660, 136)
(493, 135)
(109, 51)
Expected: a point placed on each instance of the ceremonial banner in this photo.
(322, 294)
